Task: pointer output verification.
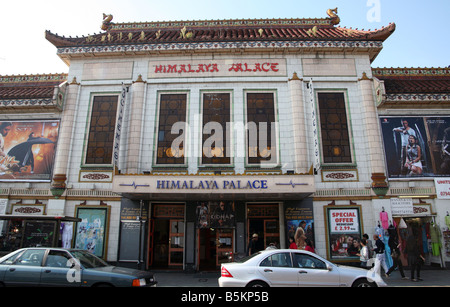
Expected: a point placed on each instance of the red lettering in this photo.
(257, 67)
(182, 68)
(274, 67)
(200, 68)
(214, 68)
(264, 65)
(172, 68)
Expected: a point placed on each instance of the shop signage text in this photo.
(214, 184)
(344, 220)
(217, 68)
(442, 188)
(210, 185)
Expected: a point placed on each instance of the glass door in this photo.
(224, 246)
(176, 242)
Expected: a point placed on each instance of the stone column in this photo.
(135, 132)
(374, 141)
(299, 125)
(64, 139)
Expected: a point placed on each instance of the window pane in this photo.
(334, 128)
(58, 259)
(101, 131)
(261, 122)
(172, 111)
(216, 115)
(31, 257)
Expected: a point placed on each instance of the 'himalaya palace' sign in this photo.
(214, 184)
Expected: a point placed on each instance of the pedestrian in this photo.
(309, 247)
(292, 244)
(380, 258)
(254, 245)
(363, 254)
(395, 253)
(414, 256)
(369, 245)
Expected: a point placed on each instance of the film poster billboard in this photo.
(416, 146)
(27, 150)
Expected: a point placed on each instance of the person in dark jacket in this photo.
(395, 253)
(414, 256)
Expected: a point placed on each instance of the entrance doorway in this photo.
(166, 236)
(263, 220)
(215, 246)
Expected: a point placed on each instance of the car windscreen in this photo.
(89, 260)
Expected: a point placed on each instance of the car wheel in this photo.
(257, 284)
(363, 283)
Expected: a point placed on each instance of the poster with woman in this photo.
(416, 146)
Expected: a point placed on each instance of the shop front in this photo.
(28, 226)
(195, 223)
(418, 219)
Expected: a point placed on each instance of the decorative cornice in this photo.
(218, 23)
(191, 46)
(401, 72)
(33, 78)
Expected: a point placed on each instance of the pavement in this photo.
(431, 278)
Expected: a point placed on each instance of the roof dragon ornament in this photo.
(106, 21)
(334, 18)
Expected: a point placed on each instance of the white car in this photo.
(294, 268)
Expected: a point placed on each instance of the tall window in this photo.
(171, 129)
(101, 130)
(261, 128)
(334, 128)
(216, 136)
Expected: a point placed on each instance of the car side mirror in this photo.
(329, 267)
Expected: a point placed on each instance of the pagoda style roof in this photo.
(243, 34)
(42, 91)
(405, 85)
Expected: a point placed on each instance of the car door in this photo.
(25, 270)
(277, 269)
(313, 272)
(60, 270)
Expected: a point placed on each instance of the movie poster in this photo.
(299, 216)
(27, 150)
(212, 214)
(416, 146)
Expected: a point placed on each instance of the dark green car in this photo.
(59, 267)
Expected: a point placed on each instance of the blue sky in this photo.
(420, 40)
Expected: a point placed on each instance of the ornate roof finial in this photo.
(106, 21)
(334, 18)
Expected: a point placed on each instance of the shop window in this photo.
(216, 131)
(171, 129)
(101, 130)
(261, 128)
(334, 129)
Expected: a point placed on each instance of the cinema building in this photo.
(177, 141)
